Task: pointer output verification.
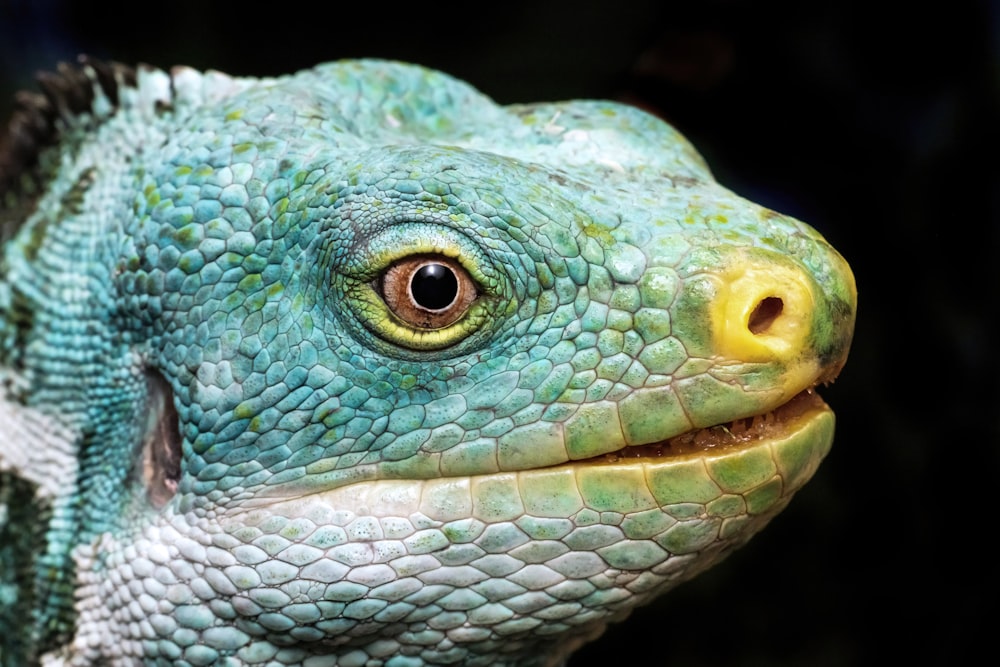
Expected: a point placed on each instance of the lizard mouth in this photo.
(763, 459)
(799, 420)
(722, 438)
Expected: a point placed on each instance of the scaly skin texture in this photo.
(226, 441)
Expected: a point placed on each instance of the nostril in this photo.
(763, 312)
(764, 315)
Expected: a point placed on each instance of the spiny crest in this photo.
(74, 101)
(69, 95)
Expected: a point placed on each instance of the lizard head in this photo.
(389, 370)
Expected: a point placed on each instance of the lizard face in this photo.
(440, 385)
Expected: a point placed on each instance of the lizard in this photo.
(355, 366)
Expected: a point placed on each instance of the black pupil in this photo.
(434, 286)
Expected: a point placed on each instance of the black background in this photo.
(876, 123)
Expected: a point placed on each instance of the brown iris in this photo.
(428, 291)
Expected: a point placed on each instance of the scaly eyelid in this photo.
(376, 252)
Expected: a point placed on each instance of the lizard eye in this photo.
(423, 288)
(428, 292)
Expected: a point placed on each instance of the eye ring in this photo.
(428, 291)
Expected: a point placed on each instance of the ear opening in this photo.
(161, 449)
